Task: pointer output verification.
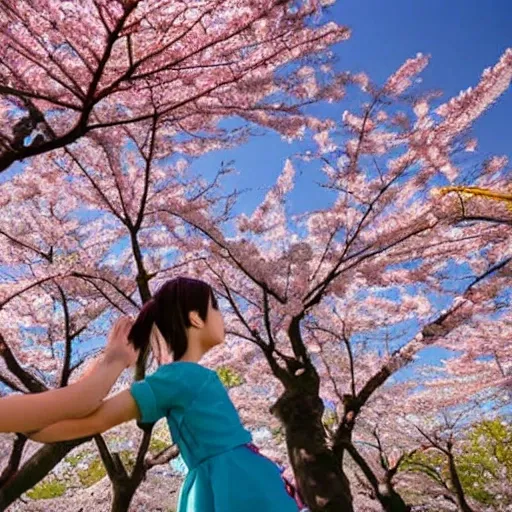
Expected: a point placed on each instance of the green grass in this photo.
(93, 473)
(229, 377)
(157, 445)
(128, 459)
(74, 460)
(47, 489)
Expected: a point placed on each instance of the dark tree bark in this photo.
(34, 470)
(124, 483)
(320, 478)
(14, 460)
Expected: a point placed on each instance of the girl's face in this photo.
(214, 325)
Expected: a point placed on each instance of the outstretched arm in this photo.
(114, 411)
(27, 413)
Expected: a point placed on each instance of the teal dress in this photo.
(224, 475)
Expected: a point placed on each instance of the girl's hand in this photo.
(118, 346)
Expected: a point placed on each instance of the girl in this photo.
(225, 473)
(25, 413)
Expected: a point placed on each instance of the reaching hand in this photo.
(118, 346)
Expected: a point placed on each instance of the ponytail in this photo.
(140, 332)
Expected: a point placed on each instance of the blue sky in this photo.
(462, 36)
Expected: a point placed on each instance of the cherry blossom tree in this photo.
(52, 315)
(326, 305)
(72, 70)
(58, 235)
(442, 430)
(330, 269)
(442, 436)
(68, 68)
(76, 230)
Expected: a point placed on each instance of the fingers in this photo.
(118, 345)
(119, 331)
(122, 326)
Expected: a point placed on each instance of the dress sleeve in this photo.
(161, 391)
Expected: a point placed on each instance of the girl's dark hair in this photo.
(169, 309)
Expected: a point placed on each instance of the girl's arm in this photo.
(27, 413)
(114, 411)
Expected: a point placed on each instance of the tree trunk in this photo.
(14, 459)
(320, 478)
(34, 470)
(123, 495)
(391, 501)
(457, 485)
(124, 485)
